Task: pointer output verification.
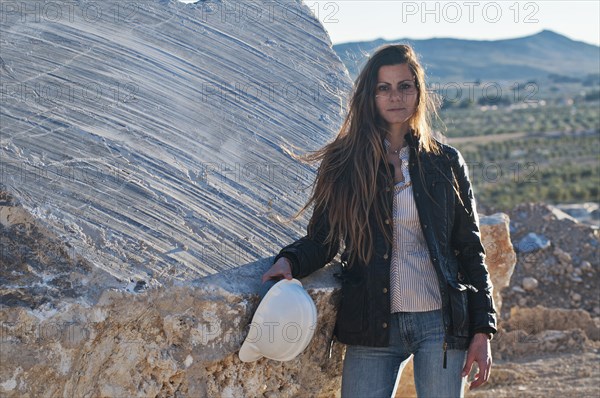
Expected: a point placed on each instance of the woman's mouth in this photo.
(396, 109)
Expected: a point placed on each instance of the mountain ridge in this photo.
(539, 55)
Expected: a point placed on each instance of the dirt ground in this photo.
(552, 345)
(549, 375)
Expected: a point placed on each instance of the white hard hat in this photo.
(283, 324)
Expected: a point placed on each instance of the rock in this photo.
(500, 256)
(549, 336)
(529, 284)
(550, 262)
(523, 301)
(557, 269)
(406, 386)
(586, 266)
(568, 267)
(518, 289)
(535, 330)
(513, 226)
(562, 256)
(176, 142)
(532, 242)
(581, 212)
(562, 215)
(519, 343)
(560, 340)
(539, 318)
(15, 215)
(165, 342)
(576, 297)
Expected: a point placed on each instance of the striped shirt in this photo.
(413, 281)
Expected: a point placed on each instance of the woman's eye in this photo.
(382, 88)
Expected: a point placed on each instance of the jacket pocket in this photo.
(351, 314)
(459, 307)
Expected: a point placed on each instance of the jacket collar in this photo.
(412, 139)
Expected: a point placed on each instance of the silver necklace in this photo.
(387, 147)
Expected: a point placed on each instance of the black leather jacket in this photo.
(452, 234)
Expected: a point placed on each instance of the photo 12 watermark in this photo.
(470, 11)
(39, 92)
(489, 92)
(110, 175)
(491, 172)
(65, 12)
(265, 12)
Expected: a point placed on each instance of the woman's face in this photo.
(395, 93)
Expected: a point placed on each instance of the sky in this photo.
(364, 20)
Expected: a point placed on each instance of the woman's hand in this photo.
(480, 352)
(281, 269)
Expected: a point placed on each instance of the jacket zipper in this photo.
(445, 346)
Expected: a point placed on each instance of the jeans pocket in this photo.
(459, 307)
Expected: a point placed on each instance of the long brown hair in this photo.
(346, 181)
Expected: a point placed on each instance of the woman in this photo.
(413, 275)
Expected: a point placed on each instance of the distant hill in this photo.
(530, 57)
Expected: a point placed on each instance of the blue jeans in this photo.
(371, 372)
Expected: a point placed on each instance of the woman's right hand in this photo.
(281, 269)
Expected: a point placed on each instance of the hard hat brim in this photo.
(249, 352)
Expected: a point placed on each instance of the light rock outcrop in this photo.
(177, 341)
(539, 318)
(147, 134)
(500, 256)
